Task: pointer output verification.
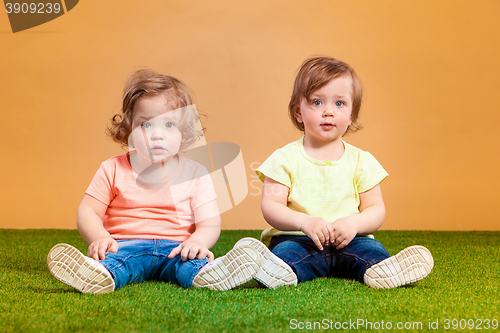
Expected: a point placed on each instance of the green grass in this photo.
(463, 285)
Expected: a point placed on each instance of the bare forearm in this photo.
(369, 220)
(281, 217)
(207, 232)
(90, 226)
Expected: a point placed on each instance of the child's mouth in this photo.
(158, 150)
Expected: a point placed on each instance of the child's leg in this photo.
(302, 255)
(352, 261)
(273, 271)
(410, 265)
(235, 268)
(366, 260)
(71, 267)
(133, 261)
(173, 270)
(130, 264)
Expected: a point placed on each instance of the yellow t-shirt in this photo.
(327, 189)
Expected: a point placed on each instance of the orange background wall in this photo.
(431, 111)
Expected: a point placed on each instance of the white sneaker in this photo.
(237, 267)
(410, 265)
(71, 267)
(273, 272)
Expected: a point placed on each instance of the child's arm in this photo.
(370, 218)
(206, 234)
(277, 214)
(89, 223)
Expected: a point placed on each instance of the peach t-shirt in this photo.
(137, 212)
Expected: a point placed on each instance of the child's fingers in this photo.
(201, 254)
(326, 235)
(186, 253)
(175, 251)
(317, 241)
(319, 235)
(193, 252)
(113, 248)
(342, 241)
(98, 248)
(197, 252)
(338, 239)
(90, 252)
(94, 255)
(342, 244)
(102, 251)
(93, 251)
(331, 233)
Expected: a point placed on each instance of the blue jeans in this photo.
(139, 260)
(308, 262)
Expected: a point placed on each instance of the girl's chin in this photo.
(160, 160)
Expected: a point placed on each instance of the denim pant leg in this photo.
(131, 263)
(139, 260)
(309, 263)
(300, 253)
(352, 261)
(175, 270)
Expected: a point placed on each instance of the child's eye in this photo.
(145, 125)
(339, 103)
(316, 102)
(169, 125)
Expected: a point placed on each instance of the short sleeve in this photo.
(101, 187)
(369, 172)
(278, 167)
(204, 188)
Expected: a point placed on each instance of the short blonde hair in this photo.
(314, 74)
(146, 82)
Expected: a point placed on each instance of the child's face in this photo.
(155, 133)
(327, 114)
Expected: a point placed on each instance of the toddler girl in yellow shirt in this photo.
(322, 196)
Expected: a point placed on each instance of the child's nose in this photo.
(328, 111)
(157, 134)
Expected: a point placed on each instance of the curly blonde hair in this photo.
(313, 75)
(146, 82)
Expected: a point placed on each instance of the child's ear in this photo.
(297, 114)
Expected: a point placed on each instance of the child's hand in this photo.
(100, 246)
(191, 249)
(345, 229)
(319, 230)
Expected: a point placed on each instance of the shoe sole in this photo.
(273, 272)
(237, 267)
(69, 266)
(410, 265)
